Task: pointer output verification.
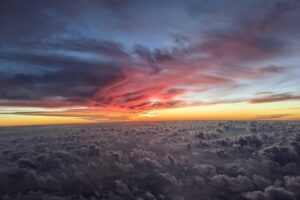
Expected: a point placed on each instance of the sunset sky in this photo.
(125, 60)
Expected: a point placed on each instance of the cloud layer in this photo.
(158, 161)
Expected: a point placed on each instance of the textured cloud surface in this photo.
(163, 161)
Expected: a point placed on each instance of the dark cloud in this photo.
(249, 40)
(280, 154)
(274, 116)
(137, 56)
(80, 44)
(150, 160)
(272, 69)
(273, 97)
(29, 20)
(292, 183)
(270, 193)
(69, 80)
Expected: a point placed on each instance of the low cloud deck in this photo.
(153, 160)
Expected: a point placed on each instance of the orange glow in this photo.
(234, 111)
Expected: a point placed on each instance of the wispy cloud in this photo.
(118, 56)
(274, 97)
(273, 116)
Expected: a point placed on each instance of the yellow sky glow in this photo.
(236, 111)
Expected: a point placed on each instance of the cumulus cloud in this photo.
(270, 193)
(280, 154)
(126, 161)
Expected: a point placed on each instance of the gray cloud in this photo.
(151, 160)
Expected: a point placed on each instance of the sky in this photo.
(124, 60)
